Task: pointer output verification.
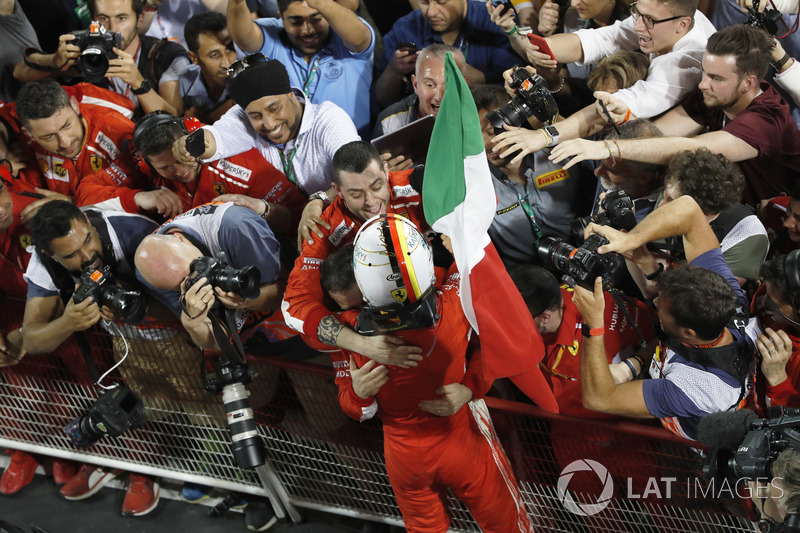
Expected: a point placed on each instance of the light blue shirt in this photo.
(342, 76)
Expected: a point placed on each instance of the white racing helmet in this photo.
(392, 261)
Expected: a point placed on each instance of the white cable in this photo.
(127, 349)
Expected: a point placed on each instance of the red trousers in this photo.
(461, 452)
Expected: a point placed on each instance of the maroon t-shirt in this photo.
(766, 126)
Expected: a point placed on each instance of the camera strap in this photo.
(223, 320)
(618, 299)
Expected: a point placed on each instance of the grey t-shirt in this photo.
(16, 34)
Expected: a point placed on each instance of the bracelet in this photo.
(610, 153)
(627, 116)
(512, 32)
(547, 139)
(630, 365)
(654, 275)
(641, 361)
(781, 62)
(266, 209)
(619, 152)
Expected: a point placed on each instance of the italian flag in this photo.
(459, 201)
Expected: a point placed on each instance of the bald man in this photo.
(224, 232)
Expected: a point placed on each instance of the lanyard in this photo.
(310, 78)
(525, 204)
(287, 162)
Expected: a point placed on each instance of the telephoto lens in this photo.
(246, 444)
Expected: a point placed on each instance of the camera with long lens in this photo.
(246, 282)
(766, 20)
(130, 306)
(580, 266)
(221, 375)
(533, 99)
(96, 44)
(115, 411)
(616, 211)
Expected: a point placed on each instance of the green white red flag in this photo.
(459, 201)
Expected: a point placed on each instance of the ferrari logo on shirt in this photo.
(25, 241)
(58, 168)
(44, 166)
(576, 345)
(551, 177)
(400, 295)
(219, 188)
(96, 162)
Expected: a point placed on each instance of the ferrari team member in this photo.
(365, 188)
(429, 434)
(247, 178)
(85, 152)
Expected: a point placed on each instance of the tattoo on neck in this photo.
(329, 329)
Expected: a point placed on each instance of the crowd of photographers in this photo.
(195, 177)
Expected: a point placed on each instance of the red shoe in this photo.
(19, 473)
(141, 497)
(63, 471)
(87, 482)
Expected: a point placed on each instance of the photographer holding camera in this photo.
(113, 55)
(69, 291)
(217, 252)
(703, 364)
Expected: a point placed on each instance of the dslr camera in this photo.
(130, 306)
(533, 99)
(767, 20)
(221, 375)
(96, 46)
(242, 281)
(115, 412)
(616, 211)
(580, 266)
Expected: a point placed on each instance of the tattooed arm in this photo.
(384, 349)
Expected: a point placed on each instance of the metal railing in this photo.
(318, 458)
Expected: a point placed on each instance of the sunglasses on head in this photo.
(240, 65)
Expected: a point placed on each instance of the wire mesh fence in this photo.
(647, 480)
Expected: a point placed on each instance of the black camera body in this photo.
(533, 99)
(766, 20)
(617, 212)
(246, 282)
(221, 375)
(131, 306)
(115, 411)
(582, 265)
(96, 44)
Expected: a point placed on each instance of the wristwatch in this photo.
(588, 332)
(320, 195)
(145, 87)
(553, 133)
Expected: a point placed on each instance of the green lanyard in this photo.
(288, 167)
(310, 78)
(525, 204)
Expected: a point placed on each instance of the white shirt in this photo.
(789, 81)
(671, 76)
(323, 129)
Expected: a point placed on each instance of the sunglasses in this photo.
(649, 21)
(240, 65)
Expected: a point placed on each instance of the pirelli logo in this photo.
(551, 177)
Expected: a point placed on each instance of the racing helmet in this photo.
(392, 261)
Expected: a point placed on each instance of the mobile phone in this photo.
(507, 6)
(196, 143)
(411, 48)
(541, 44)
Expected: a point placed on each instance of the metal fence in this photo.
(318, 458)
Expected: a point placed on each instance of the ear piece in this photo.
(152, 120)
